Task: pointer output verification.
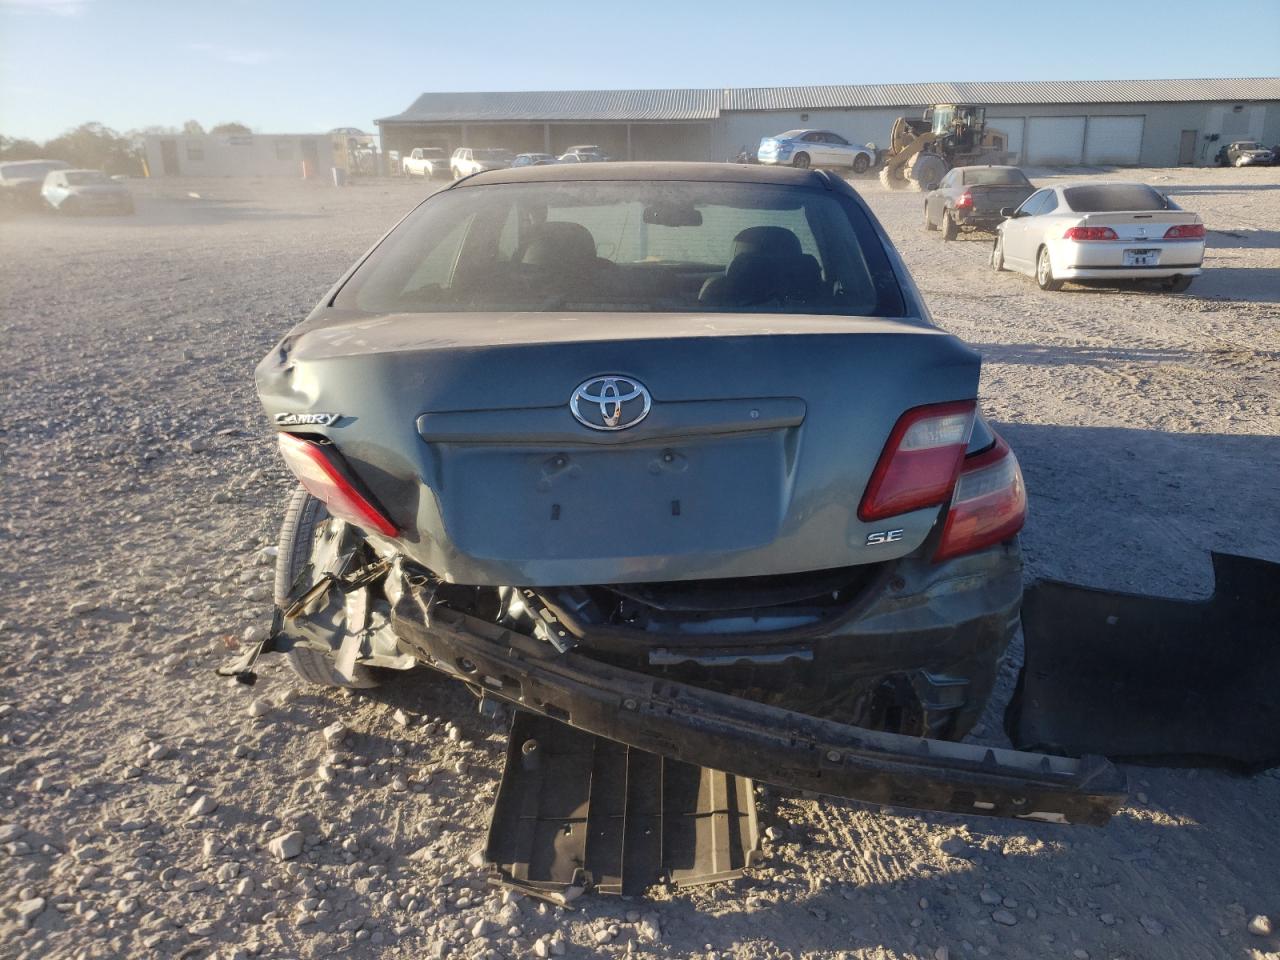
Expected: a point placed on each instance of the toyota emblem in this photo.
(610, 403)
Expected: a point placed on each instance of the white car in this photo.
(467, 160)
(425, 162)
(85, 191)
(1104, 230)
(814, 148)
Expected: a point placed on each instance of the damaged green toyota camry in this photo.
(674, 454)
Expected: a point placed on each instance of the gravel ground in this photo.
(146, 805)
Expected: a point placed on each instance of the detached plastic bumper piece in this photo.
(575, 810)
(750, 739)
(1154, 680)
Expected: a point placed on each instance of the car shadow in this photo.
(1055, 356)
(1140, 510)
(1242, 238)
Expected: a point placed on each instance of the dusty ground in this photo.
(140, 490)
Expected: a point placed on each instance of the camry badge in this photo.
(610, 403)
(307, 419)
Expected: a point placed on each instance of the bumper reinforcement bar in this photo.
(751, 739)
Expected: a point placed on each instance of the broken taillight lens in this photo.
(918, 465)
(989, 504)
(965, 199)
(318, 468)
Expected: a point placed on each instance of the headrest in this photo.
(558, 242)
(770, 241)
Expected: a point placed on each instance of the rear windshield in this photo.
(980, 178)
(1114, 198)
(630, 246)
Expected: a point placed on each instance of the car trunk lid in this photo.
(1139, 224)
(762, 434)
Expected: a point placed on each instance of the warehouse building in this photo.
(1086, 122)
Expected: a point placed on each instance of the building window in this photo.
(195, 152)
(284, 150)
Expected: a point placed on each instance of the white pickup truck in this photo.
(426, 162)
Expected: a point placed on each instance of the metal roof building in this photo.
(1147, 122)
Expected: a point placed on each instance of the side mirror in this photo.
(1008, 212)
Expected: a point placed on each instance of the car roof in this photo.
(1101, 183)
(989, 166)
(653, 170)
(80, 170)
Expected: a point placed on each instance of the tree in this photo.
(192, 128)
(16, 148)
(96, 147)
(230, 128)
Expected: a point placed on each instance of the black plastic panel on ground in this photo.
(578, 810)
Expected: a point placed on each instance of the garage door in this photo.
(1055, 139)
(1113, 140)
(1011, 127)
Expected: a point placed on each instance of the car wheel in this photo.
(997, 255)
(1239, 161)
(949, 229)
(1178, 284)
(928, 224)
(861, 163)
(1044, 271)
(801, 160)
(303, 519)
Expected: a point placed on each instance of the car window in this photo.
(1049, 203)
(1031, 206)
(1114, 197)
(836, 138)
(813, 138)
(996, 178)
(677, 246)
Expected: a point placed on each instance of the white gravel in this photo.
(141, 501)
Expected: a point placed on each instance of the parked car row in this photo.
(1077, 230)
(431, 162)
(54, 185)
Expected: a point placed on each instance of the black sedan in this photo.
(971, 198)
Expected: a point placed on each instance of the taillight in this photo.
(318, 468)
(965, 199)
(919, 461)
(989, 504)
(1185, 231)
(1090, 233)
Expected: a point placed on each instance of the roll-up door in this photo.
(1113, 140)
(1055, 140)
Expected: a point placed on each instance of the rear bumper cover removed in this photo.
(751, 739)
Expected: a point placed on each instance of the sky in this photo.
(292, 67)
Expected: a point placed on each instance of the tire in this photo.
(1178, 284)
(861, 163)
(1239, 161)
(891, 178)
(1044, 272)
(949, 229)
(928, 224)
(997, 255)
(302, 517)
(801, 161)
